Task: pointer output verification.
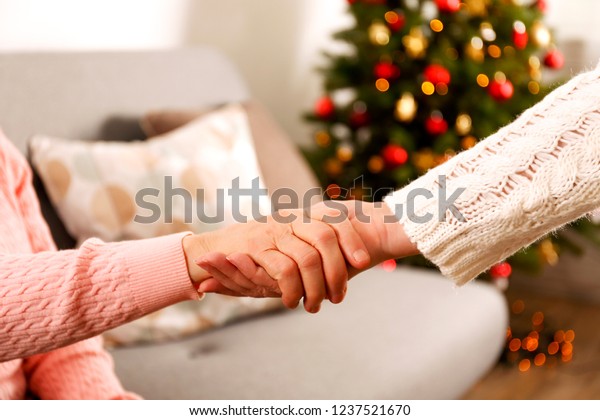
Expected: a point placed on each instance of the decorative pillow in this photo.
(271, 142)
(93, 186)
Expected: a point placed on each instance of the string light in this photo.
(463, 124)
(537, 348)
(436, 25)
(333, 167)
(539, 359)
(382, 85)
(406, 108)
(518, 306)
(376, 164)
(322, 138)
(428, 88)
(468, 142)
(524, 365)
(483, 80)
(494, 51)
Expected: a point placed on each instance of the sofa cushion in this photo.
(408, 334)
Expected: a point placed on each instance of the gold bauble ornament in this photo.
(474, 49)
(548, 252)
(415, 43)
(487, 32)
(406, 108)
(424, 160)
(534, 63)
(379, 33)
(345, 153)
(322, 138)
(540, 34)
(463, 124)
(534, 87)
(477, 7)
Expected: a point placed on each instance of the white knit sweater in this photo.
(530, 178)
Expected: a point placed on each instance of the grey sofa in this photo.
(408, 334)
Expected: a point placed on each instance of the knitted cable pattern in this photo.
(528, 179)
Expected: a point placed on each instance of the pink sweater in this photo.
(50, 300)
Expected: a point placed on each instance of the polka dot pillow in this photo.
(134, 190)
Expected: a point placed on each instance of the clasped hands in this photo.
(297, 255)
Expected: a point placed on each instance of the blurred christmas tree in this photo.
(423, 80)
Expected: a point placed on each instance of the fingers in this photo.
(212, 285)
(217, 266)
(327, 257)
(233, 281)
(285, 271)
(336, 215)
(254, 273)
(309, 263)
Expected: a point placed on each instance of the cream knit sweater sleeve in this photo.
(530, 178)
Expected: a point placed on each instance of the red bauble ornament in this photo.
(520, 39)
(436, 124)
(324, 107)
(502, 269)
(394, 155)
(542, 5)
(435, 74)
(448, 6)
(554, 59)
(501, 91)
(385, 70)
(359, 118)
(389, 265)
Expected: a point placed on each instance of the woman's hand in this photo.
(300, 257)
(374, 222)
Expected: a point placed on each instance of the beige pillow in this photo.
(273, 145)
(93, 186)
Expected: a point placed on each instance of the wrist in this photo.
(395, 241)
(194, 246)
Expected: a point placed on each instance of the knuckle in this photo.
(326, 235)
(316, 295)
(286, 269)
(310, 260)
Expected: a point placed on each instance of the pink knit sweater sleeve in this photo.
(83, 370)
(52, 299)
